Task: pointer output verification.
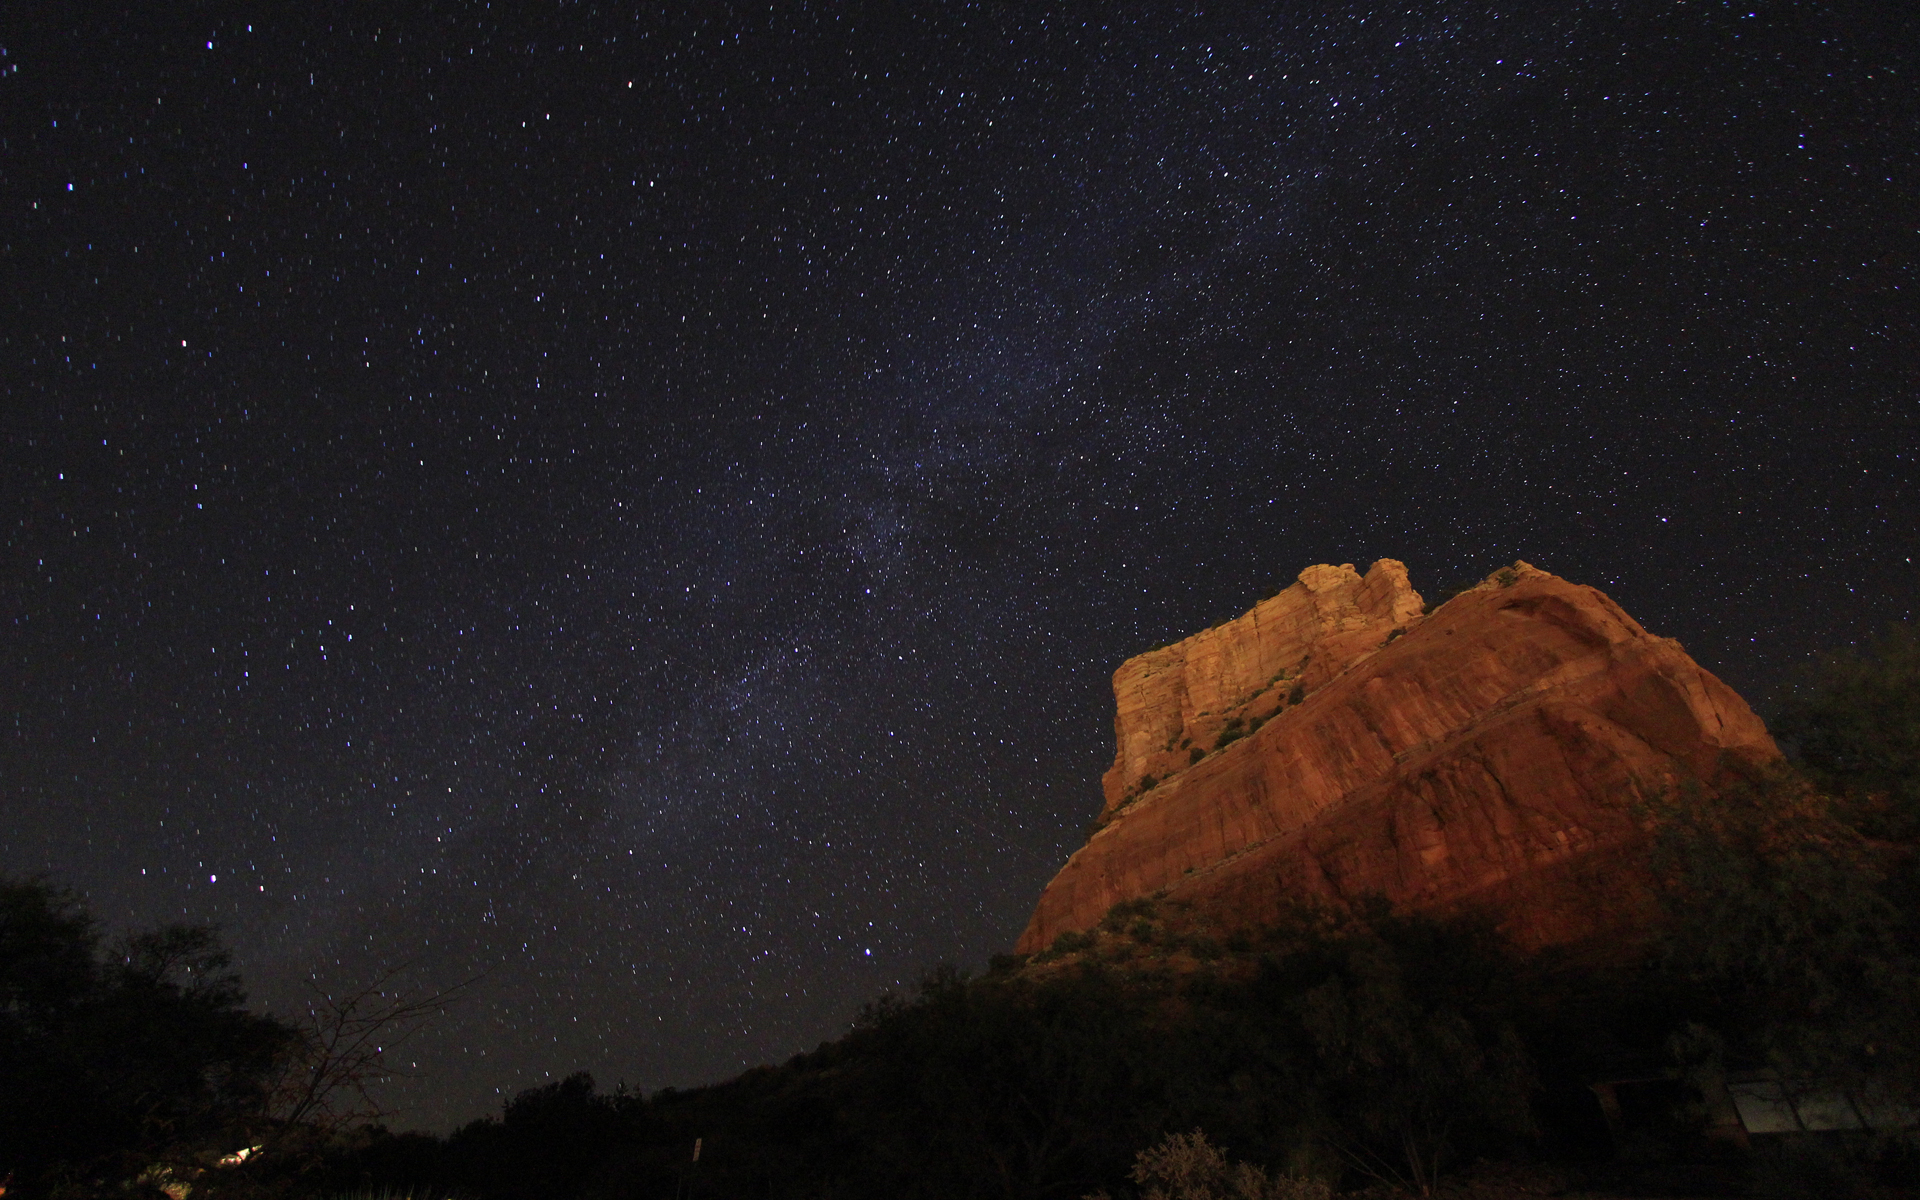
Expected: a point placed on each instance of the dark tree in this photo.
(1004, 1090)
(548, 1141)
(1854, 726)
(120, 1060)
(1794, 900)
(1404, 1028)
(1789, 925)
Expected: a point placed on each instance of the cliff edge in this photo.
(1335, 743)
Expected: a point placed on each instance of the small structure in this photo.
(1743, 1109)
(1770, 1105)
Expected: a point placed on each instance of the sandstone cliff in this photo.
(1334, 743)
(1173, 704)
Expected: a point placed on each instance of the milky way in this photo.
(643, 510)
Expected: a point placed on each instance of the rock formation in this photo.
(1334, 743)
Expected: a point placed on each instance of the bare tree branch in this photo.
(342, 1049)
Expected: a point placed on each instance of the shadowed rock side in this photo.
(1487, 756)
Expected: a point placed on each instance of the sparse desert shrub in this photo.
(1185, 1166)
(1069, 942)
(1139, 906)
(1138, 911)
(1458, 589)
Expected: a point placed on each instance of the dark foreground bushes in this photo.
(1379, 1049)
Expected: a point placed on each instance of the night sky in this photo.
(645, 508)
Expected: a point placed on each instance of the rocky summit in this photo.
(1341, 741)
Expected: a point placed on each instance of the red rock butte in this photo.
(1335, 743)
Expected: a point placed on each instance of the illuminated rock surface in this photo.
(1333, 743)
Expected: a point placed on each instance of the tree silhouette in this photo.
(117, 1058)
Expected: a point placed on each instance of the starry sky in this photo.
(641, 504)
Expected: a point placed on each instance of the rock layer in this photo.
(1183, 696)
(1488, 755)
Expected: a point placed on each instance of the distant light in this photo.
(213, 879)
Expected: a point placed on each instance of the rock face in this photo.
(1333, 743)
(1172, 700)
